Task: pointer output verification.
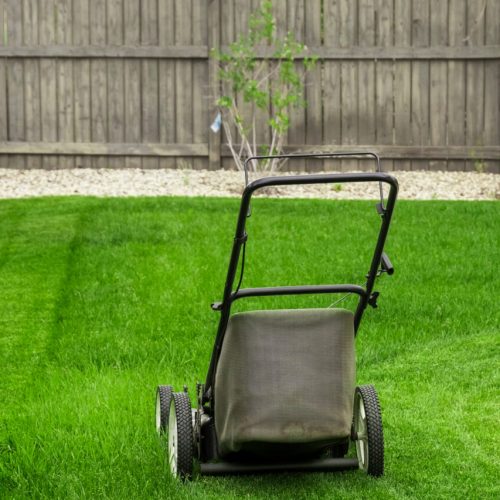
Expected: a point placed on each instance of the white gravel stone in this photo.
(137, 182)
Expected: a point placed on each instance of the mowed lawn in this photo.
(103, 299)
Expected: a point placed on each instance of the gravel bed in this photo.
(138, 182)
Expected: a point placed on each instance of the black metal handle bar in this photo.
(240, 237)
(297, 290)
(318, 179)
(301, 156)
(386, 264)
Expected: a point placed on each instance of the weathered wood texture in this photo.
(3, 89)
(112, 83)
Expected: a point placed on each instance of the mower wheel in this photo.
(180, 436)
(368, 430)
(163, 397)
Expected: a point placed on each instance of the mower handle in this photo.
(301, 156)
(386, 264)
(297, 290)
(366, 296)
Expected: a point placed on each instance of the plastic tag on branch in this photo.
(217, 123)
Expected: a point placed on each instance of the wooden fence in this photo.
(113, 83)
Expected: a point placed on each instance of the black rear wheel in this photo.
(180, 436)
(368, 430)
(163, 397)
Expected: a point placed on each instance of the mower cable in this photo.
(345, 296)
(379, 273)
(242, 267)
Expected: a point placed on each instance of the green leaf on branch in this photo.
(224, 101)
(270, 84)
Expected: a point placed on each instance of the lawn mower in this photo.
(280, 390)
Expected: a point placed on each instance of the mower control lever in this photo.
(216, 306)
(386, 264)
(373, 299)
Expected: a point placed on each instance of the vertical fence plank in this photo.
(183, 91)
(456, 81)
(349, 75)
(474, 105)
(150, 114)
(263, 132)
(48, 81)
(295, 16)
(30, 23)
(384, 79)
(201, 88)
(116, 83)
(227, 35)
(4, 125)
(402, 80)
(297, 130)
(81, 76)
(280, 13)
(213, 40)
(438, 81)
(420, 81)
(166, 74)
(491, 87)
(133, 120)
(313, 81)
(241, 17)
(332, 105)
(98, 82)
(241, 14)
(31, 81)
(15, 80)
(366, 78)
(280, 10)
(65, 98)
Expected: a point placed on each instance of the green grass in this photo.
(101, 300)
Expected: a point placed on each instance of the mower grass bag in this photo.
(285, 382)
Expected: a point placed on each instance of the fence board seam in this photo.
(202, 52)
(103, 148)
(388, 151)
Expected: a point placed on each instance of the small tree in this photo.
(269, 82)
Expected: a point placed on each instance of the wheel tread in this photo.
(165, 393)
(374, 430)
(184, 434)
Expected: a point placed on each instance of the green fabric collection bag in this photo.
(285, 381)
